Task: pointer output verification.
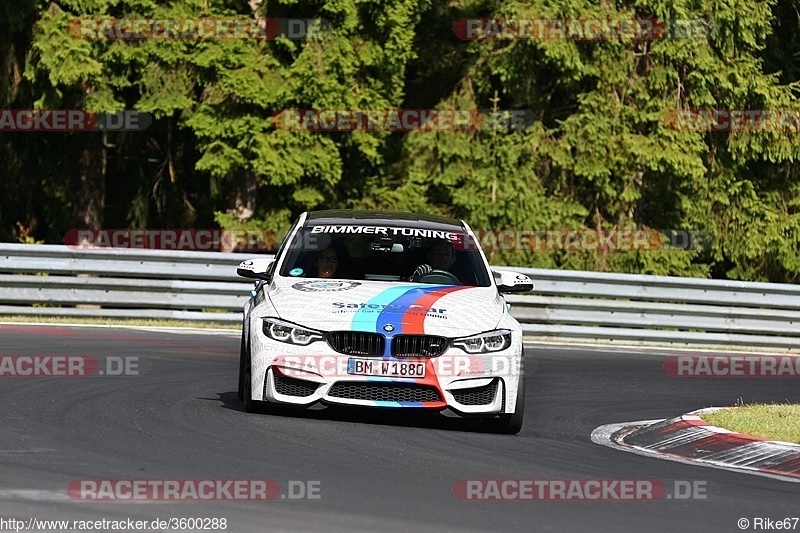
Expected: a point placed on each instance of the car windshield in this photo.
(386, 253)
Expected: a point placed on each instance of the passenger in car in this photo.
(326, 263)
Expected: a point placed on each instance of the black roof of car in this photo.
(379, 218)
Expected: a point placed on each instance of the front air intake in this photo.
(385, 392)
(476, 395)
(357, 342)
(418, 345)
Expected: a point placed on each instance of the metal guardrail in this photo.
(639, 308)
(49, 280)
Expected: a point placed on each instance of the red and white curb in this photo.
(689, 439)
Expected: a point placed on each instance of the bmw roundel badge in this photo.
(388, 328)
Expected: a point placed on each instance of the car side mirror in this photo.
(259, 268)
(512, 281)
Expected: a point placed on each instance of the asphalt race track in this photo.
(180, 419)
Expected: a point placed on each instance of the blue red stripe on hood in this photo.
(404, 308)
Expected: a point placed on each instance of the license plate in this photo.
(387, 369)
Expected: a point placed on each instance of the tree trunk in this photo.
(91, 195)
(244, 202)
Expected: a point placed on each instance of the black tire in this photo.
(242, 355)
(256, 406)
(511, 424)
(246, 385)
(245, 377)
(250, 405)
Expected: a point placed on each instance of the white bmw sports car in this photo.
(383, 310)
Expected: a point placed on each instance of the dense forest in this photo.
(602, 152)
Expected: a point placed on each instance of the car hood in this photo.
(374, 306)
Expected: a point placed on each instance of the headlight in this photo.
(281, 331)
(491, 341)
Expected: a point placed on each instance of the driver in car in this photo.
(440, 256)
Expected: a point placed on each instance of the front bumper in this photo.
(469, 396)
(455, 382)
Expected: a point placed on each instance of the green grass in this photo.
(773, 421)
(153, 323)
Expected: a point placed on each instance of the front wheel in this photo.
(250, 405)
(511, 424)
(245, 377)
(244, 358)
